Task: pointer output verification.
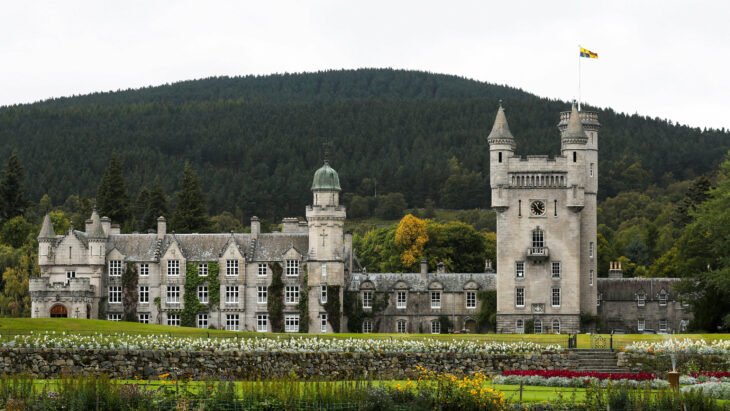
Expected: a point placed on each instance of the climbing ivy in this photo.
(214, 286)
(356, 314)
(487, 316)
(332, 307)
(158, 303)
(130, 292)
(102, 308)
(192, 306)
(275, 299)
(303, 305)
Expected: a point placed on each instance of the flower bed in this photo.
(711, 374)
(641, 376)
(714, 389)
(567, 378)
(294, 344)
(685, 346)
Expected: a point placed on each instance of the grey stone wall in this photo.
(52, 363)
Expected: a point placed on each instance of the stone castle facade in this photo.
(546, 262)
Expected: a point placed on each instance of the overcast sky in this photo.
(667, 59)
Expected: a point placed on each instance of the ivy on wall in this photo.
(275, 298)
(130, 292)
(158, 303)
(214, 286)
(487, 315)
(192, 306)
(333, 307)
(303, 305)
(102, 308)
(356, 314)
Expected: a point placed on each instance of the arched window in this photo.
(538, 237)
(556, 326)
(520, 327)
(538, 326)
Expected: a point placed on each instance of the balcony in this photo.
(537, 253)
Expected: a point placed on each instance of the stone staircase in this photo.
(592, 360)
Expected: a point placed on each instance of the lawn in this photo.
(10, 326)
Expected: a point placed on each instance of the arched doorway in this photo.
(470, 326)
(59, 311)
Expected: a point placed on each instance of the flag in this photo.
(588, 54)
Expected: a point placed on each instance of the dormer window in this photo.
(641, 299)
(662, 298)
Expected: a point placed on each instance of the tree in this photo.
(190, 215)
(390, 206)
(359, 207)
(696, 194)
(411, 237)
(226, 222)
(12, 193)
(112, 198)
(15, 298)
(157, 204)
(16, 232)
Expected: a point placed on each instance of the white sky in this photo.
(667, 59)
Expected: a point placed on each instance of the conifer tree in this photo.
(191, 211)
(112, 198)
(12, 192)
(139, 210)
(156, 204)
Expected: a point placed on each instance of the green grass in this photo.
(9, 326)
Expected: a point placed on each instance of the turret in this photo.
(46, 241)
(97, 239)
(501, 148)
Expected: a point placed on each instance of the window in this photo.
(323, 294)
(556, 269)
(640, 325)
(115, 294)
(173, 294)
(683, 325)
(291, 323)
(471, 299)
(231, 267)
(114, 317)
(662, 298)
(555, 208)
(144, 270)
(115, 268)
(231, 322)
(291, 294)
(520, 327)
(324, 271)
(575, 156)
(538, 327)
(292, 269)
(203, 294)
(598, 299)
(263, 270)
(231, 294)
(144, 294)
(202, 320)
(367, 327)
(173, 267)
(401, 299)
(590, 277)
(367, 299)
(591, 169)
(203, 270)
(556, 297)
(173, 319)
(262, 323)
(262, 294)
(70, 275)
(519, 208)
(641, 300)
(590, 249)
(520, 297)
(538, 238)
(435, 327)
(435, 299)
(556, 326)
(663, 325)
(323, 322)
(144, 318)
(500, 157)
(519, 269)
(400, 326)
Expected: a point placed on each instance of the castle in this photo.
(546, 263)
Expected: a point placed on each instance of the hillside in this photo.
(255, 141)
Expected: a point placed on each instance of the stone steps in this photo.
(597, 360)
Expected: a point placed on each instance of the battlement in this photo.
(73, 284)
(588, 118)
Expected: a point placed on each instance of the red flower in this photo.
(713, 374)
(640, 376)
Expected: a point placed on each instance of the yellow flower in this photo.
(165, 375)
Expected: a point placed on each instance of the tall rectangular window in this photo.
(203, 294)
(324, 271)
(202, 320)
(590, 277)
(519, 269)
(173, 267)
(538, 238)
(291, 294)
(591, 169)
(435, 327)
(519, 208)
(323, 322)
(173, 319)
(590, 249)
(556, 297)
(144, 270)
(323, 294)
(173, 294)
(556, 269)
(662, 299)
(231, 267)
(115, 268)
(203, 269)
(435, 299)
(232, 294)
(500, 156)
(663, 325)
(367, 327)
(400, 326)
(144, 294)
(115, 294)
(367, 299)
(640, 325)
(598, 299)
(555, 208)
(520, 296)
(262, 294)
(262, 270)
(641, 300)
(292, 269)
(471, 299)
(262, 323)
(291, 323)
(232, 322)
(401, 299)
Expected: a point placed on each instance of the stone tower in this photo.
(327, 254)
(546, 227)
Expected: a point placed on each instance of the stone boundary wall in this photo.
(685, 363)
(143, 364)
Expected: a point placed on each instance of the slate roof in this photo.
(625, 289)
(135, 247)
(271, 246)
(417, 282)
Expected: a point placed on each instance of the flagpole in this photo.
(579, 77)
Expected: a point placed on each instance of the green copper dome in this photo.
(326, 178)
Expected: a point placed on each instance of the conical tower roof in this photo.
(500, 130)
(97, 231)
(47, 229)
(574, 130)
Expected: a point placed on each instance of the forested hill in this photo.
(256, 141)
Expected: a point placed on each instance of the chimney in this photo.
(115, 229)
(348, 249)
(303, 227)
(89, 226)
(424, 266)
(441, 268)
(161, 227)
(488, 266)
(255, 227)
(290, 225)
(615, 270)
(106, 224)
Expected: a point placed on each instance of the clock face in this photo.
(537, 208)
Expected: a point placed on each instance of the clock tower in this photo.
(546, 227)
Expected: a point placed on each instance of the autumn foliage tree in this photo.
(411, 237)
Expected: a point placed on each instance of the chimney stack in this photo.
(615, 270)
(255, 227)
(441, 268)
(289, 225)
(424, 266)
(106, 224)
(488, 266)
(161, 227)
